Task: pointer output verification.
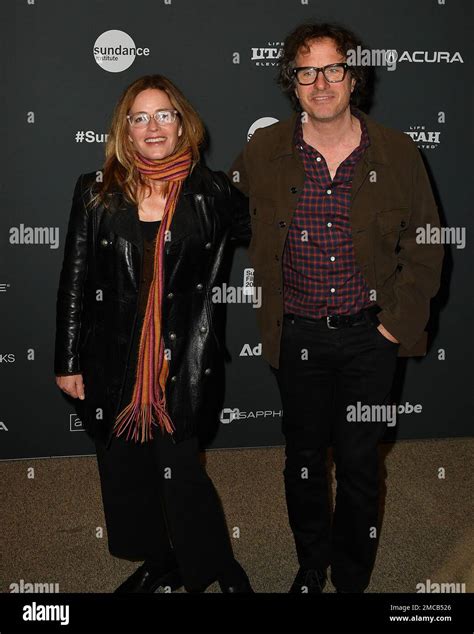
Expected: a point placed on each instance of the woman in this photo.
(136, 336)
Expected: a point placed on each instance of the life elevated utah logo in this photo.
(267, 55)
(426, 138)
(115, 51)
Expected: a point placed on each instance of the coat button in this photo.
(293, 190)
(172, 336)
(170, 295)
(203, 329)
(403, 223)
(173, 378)
(207, 371)
(282, 223)
(199, 287)
(207, 245)
(104, 242)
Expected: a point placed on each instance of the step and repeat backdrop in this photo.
(224, 55)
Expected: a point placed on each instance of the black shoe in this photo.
(240, 582)
(309, 581)
(242, 586)
(149, 579)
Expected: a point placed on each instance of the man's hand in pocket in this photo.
(383, 331)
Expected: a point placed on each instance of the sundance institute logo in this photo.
(115, 51)
(263, 122)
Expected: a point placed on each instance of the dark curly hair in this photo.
(301, 37)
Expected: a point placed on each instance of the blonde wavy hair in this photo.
(119, 169)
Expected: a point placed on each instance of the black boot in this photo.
(149, 577)
(309, 581)
(234, 579)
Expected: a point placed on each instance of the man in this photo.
(335, 201)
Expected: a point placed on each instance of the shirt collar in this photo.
(364, 139)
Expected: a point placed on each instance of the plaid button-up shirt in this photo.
(320, 273)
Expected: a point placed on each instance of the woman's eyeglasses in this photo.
(163, 117)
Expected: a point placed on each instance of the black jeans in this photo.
(161, 506)
(323, 371)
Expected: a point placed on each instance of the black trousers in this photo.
(323, 371)
(161, 506)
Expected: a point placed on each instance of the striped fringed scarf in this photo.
(149, 397)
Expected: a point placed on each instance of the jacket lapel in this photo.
(125, 222)
(290, 173)
(374, 157)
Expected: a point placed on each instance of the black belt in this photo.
(342, 321)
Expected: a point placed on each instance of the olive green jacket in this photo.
(391, 198)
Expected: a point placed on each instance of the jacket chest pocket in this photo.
(177, 243)
(392, 220)
(119, 264)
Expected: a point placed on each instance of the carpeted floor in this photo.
(49, 522)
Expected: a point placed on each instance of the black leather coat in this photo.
(98, 290)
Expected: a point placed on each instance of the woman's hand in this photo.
(73, 385)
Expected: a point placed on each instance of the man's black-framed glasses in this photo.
(333, 73)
